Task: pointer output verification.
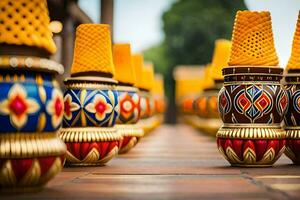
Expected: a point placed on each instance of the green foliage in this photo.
(191, 27)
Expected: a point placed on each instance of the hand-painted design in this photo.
(99, 106)
(252, 104)
(293, 108)
(29, 172)
(91, 108)
(18, 106)
(55, 108)
(91, 153)
(282, 102)
(224, 102)
(70, 107)
(129, 107)
(246, 152)
(296, 100)
(143, 106)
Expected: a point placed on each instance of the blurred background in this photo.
(168, 32)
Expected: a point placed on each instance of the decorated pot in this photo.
(252, 105)
(91, 111)
(129, 101)
(292, 124)
(206, 108)
(147, 110)
(31, 111)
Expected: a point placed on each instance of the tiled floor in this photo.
(173, 162)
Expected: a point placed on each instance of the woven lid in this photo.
(92, 52)
(208, 81)
(252, 40)
(26, 22)
(294, 61)
(220, 58)
(187, 87)
(158, 85)
(124, 71)
(138, 63)
(147, 76)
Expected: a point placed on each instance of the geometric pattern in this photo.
(29, 172)
(252, 103)
(243, 152)
(87, 107)
(30, 102)
(129, 107)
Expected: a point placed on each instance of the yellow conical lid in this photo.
(124, 70)
(252, 40)
(186, 87)
(294, 61)
(220, 58)
(158, 85)
(92, 52)
(25, 22)
(148, 76)
(208, 81)
(138, 63)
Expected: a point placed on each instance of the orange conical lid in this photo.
(252, 40)
(92, 52)
(138, 63)
(124, 70)
(147, 76)
(220, 58)
(294, 61)
(26, 22)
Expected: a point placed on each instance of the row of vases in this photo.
(32, 109)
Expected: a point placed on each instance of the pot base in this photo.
(259, 146)
(292, 150)
(90, 146)
(131, 134)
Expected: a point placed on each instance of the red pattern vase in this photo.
(130, 112)
(291, 118)
(252, 104)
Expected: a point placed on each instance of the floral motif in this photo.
(55, 108)
(18, 106)
(70, 106)
(100, 107)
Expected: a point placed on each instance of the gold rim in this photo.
(127, 130)
(31, 145)
(126, 88)
(30, 62)
(292, 132)
(89, 134)
(251, 133)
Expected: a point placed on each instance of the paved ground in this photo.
(174, 162)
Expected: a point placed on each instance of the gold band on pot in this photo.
(89, 134)
(28, 145)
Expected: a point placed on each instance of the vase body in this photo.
(91, 111)
(147, 110)
(31, 111)
(291, 118)
(130, 110)
(206, 108)
(252, 104)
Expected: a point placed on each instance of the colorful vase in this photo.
(91, 100)
(31, 102)
(252, 102)
(292, 115)
(128, 97)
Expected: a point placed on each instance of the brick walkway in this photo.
(174, 162)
